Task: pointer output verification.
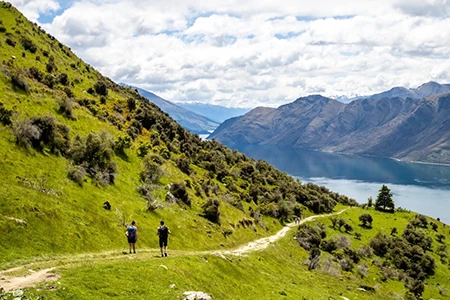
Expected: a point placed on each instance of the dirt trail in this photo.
(263, 243)
(10, 282)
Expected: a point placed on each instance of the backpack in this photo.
(163, 232)
(131, 231)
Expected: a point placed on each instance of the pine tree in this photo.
(384, 199)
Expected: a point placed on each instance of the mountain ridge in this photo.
(403, 127)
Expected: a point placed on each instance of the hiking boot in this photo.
(165, 254)
(162, 255)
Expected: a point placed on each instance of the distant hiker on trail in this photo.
(297, 220)
(163, 234)
(131, 234)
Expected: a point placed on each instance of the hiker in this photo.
(163, 234)
(131, 234)
(297, 220)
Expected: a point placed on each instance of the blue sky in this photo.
(249, 53)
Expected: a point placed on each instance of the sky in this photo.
(247, 53)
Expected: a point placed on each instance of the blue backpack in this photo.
(131, 231)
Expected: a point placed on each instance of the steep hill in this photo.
(82, 156)
(190, 120)
(408, 128)
(217, 113)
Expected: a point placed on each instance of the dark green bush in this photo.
(28, 45)
(5, 115)
(36, 74)
(101, 88)
(10, 42)
(68, 92)
(211, 210)
(43, 132)
(380, 244)
(51, 65)
(66, 108)
(151, 171)
(95, 154)
(49, 81)
(183, 164)
(309, 237)
(19, 82)
(179, 191)
(366, 220)
(77, 174)
(63, 79)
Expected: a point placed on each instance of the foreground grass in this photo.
(279, 272)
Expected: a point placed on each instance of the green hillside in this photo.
(71, 139)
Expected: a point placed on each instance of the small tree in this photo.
(348, 228)
(366, 220)
(384, 199)
(334, 221)
(370, 202)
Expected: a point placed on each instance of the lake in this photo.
(419, 187)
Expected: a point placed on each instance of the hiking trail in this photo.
(10, 282)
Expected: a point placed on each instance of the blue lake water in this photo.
(419, 187)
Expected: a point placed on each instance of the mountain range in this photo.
(406, 124)
(190, 120)
(214, 112)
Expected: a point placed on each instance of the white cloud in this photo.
(33, 8)
(260, 52)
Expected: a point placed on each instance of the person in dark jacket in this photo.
(131, 234)
(163, 234)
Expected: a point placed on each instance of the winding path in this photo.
(10, 282)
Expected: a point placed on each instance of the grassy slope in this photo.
(75, 221)
(278, 272)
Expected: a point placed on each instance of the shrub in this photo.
(314, 258)
(380, 244)
(91, 91)
(211, 210)
(51, 66)
(19, 82)
(66, 108)
(63, 79)
(10, 42)
(348, 228)
(5, 115)
(363, 270)
(68, 92)
(95, 153)
(179, 191)
(346, 264)
(36, 74)
(151, 171)
(358, 235)
(184, 164)
(131, 103)
(122, 143)
(28, 45)
(77, 174)
(42, 131)
(394, 231)
(366, 220)
(26, 133)
(49, 81)
(328, 245)
(365, 251)
(101, 88)
(309, 237)
(440, 237)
